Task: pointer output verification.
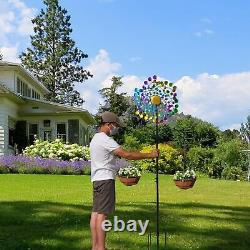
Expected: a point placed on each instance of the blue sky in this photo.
(201, 45)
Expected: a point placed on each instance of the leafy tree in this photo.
(114, 101)
(53, 56)
(189, 132)
(228, 134)
(183, 133)
(132, 120)
(146, 134)
(206, 134)
(245, 130)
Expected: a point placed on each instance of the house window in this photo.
(33, 132)
(61, 131)
(18, 86)
(35, 95)
(46, 123)
(24, 90)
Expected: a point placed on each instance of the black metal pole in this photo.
(157, 181)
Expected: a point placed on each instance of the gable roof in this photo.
(26, 72)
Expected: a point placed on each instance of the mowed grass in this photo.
(52, 212)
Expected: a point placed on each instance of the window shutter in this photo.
(73, 131)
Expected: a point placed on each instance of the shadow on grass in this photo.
(47, 225)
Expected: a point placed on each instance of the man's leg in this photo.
(101, 234)
(93, 226)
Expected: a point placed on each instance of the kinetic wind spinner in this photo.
(156, 101)
(156, 97)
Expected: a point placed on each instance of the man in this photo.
(103, 152)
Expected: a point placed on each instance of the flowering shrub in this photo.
(57, 150)
(185, 175)
(129, 171)
(170, 160)
(37, 165)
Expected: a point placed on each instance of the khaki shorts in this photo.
(104, 196)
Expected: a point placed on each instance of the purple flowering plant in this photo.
(36, 165)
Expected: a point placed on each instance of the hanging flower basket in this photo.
(185, 180)
(129, 181)
(129, 176)
(185, 184)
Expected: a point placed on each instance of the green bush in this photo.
(131, 143)
(146, 134)
(233, 173)
(226, 155)
(57, 150)
(198, 158)
(230, 153)
(170, 160)
(215, 169)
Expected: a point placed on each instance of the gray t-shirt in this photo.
(103, 160)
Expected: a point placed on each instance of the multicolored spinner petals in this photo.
(147, 100)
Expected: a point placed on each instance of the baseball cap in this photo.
(111, 117)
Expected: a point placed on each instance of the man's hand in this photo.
(154, 153)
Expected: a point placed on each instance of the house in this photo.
(25, 114)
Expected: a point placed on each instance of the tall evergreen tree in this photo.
(53, 56)
(1, 57)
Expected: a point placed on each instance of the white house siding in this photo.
(8, 111)
(2, 128)
(7, 77)
(54, 119)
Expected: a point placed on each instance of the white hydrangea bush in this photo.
(58, 150)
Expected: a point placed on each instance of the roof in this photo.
(25, 71)
(5, 90)
(65, 108)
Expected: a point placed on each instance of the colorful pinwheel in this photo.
(156, 97)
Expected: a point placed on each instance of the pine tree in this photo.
(1, 57)
(53, 56)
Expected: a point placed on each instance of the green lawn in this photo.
(52, 212)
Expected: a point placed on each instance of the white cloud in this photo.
(15, 25)
(24, 16)
(101, 66)
(6, 25)
(223, 100)
(10, 53)
(102, 69)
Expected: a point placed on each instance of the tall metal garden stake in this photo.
(156, 100)
(157, 180)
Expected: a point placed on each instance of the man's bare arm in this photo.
(135, 155)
